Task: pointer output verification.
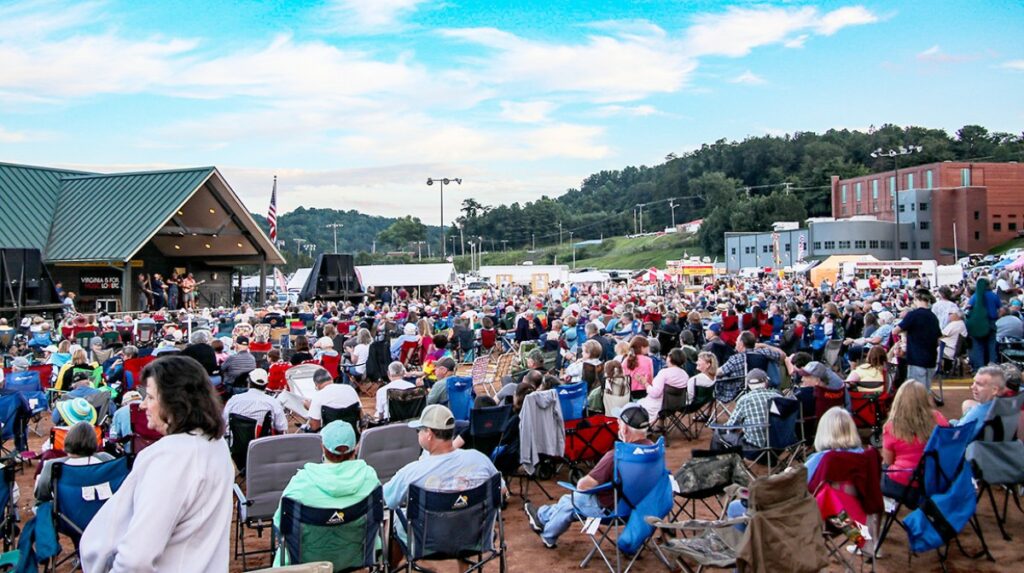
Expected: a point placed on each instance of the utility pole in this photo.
(504, 246)
(335, 226)
(672, 206)
(559, 233)
(462, 241)
(298, 246)
(419, 250)
(573, 249)
(640, 206)
(634, 220)
(444, 181)
(373, 249)
(533, 237)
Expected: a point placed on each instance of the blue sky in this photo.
(353, 104)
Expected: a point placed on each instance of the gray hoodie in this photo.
(541, 429)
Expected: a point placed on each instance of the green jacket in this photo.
(329, 486)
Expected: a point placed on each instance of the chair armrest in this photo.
(697, 524)
(573, 489)
(243, 502)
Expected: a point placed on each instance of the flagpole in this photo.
(272, 222)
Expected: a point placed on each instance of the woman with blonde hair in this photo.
(911, 421)
(836, 431)
(707, 369)
(79, 361)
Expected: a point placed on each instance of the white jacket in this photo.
(172, 514)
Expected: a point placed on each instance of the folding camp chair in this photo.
(705, 478)
(13, 425)
(727, 391)
(931, 483)
(846, 486)
(78, 494)
(460, 396)
(142, 436)
(700, 411)
(997, 457)
(783, 444)
(616, 393)
(672, 413)
(465, 525)
(639, 470)
(332, 363)
(409, 354)
(30, 387)
(573, 400)
(870, 411)
(352, 414)
(486, 426)
(111, 338)
(8, 509)
(479, 375)
(145, 333)
(83, 337)
(59, 433)
(938, 395)
(406, 404)
(388, 449)
(270, 465)
(349, 537)
(133, 371)
(832, 354)
(241, 431)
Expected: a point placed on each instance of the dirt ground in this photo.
(526, 554)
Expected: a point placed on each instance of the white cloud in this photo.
(8, 136)
(737, 31)
(1014, 65)
(526, 111)
(626, 110)
(935, 55)
(749, 78)
(619, 66)
(369, 16)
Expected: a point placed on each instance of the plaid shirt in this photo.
(752, 410)
(736, 365)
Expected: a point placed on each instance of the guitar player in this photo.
(188, 289)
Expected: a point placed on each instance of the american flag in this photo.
(272, 212)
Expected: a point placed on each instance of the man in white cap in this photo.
(121, 424)
(409, 334)
(752, 409)
(255, 402)
(444, 467)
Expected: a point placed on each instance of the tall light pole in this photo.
(895, 154)
(504, 246)
(471, 263)
(443, 181)
(640, 206)
(335, 226)
(573, 249)
(298, 245)
(559, 233)
(672, 206)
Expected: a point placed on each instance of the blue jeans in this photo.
(921, 374)
(983, 350)
(557, 517)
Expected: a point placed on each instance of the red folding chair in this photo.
(870, 411)
(133, 370)
(409, 355)
(142, 436)
(332, 364)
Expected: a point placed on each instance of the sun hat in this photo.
(131, 396)
(76, 410)
(409, 329)
(337, 435)
(435, 417)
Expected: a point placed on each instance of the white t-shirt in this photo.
(332, 396)
(362, 353)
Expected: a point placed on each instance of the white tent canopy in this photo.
(372, 276)
(298, 279)
(523, 274)
(589, 277)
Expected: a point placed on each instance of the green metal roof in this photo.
(28, 196)
(110, 217)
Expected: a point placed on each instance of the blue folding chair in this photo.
(932, 480)
(453, 525)
(8, 510)
(79, 492)
(639, 470)
(573, 400)
(11, 407)
(29, 386)
(486, 426)
(460, 396)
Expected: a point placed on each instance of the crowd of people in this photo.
(765, 336)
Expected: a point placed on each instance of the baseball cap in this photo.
(635, 416)
(800, 318)
(409, 329)
(757, 377)
(815, 369)
(79, 376)
(435, 417)
(715, 327)
(447, 362)
(131, 396)
(50, 348)
(338, 437)
(95, 341)
(20, 362)
(259, 377)
(243, 340)
(76, 410)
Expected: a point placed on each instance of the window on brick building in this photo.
(842, 194)
(923, 225)
(856, 189)
(910, 180)
(997, 226)
(1012, 225)
(928, 179)
(925, 245)
(965, 177)
(904, 245)
(977, 215)
(977, 236)
(922, 207)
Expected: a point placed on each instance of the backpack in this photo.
(978, 325)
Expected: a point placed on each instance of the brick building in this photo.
(984, 201)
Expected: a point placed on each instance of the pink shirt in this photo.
(642, 374)
(906, 455)
(669, 376)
